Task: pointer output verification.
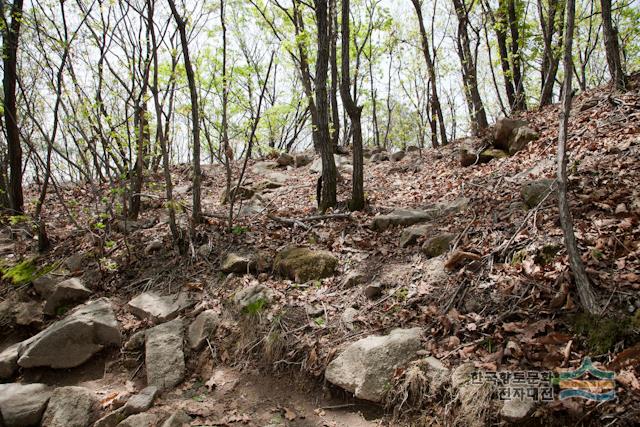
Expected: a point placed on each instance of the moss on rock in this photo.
(303, 264)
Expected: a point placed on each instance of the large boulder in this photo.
(366, 366)
(22, 405)
(533, 192)
(73, 340)
(64, 293)
(303, 264)
(512, 135)
(404, 218)
(159, 308)
(70, 407)
(164, 357)
(202, 328)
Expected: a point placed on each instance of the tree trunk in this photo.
(355, 112)
(328, 197)
(612, 48)
(432, 73)
(520, 102)
(11, 37)
(583, 284)
(550, 55)
(335, 113)
(195, 115)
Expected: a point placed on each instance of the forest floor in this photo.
(510, 305)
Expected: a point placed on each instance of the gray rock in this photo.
(522, 137)
(153, 246)
(404, 218)
(438, 245)
(398, 155)
(201, 328)
(44, 285)
(22, 405)
(142, 401)
(75, 262)
(504, 130)
(9, 361)
(64, 293)
(177, 419)
(70, 407)
(239, 193)
(373, 291)
(29, 313)
(533, 192)
(159, 308)
(302, 160)
(164, 357)
(285, 159)
(303, 264)
(126, 225)
(73, 340)
(434, 272)
(412, 148)
(140, 420)
(349, 317)
(380, 157)
(342, 164)
(136, 341)
(516, 410)
(252, 295)
(353, 278)
(112, 419)
(265, 167)
(236, 262)
(366, 366)
(410, 235)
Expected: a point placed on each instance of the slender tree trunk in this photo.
(516, 59)
(228, 152)
(328, 197)
(355, 112)
(550, 55)
(335, 113)
(583, 284)
(612, 47)
(195, 115)
(437, 109)
(11, 37)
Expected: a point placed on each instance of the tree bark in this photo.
(612, 48)
(335, 113)
(355, 112)
(195, 115)
(583, 284)
(11, 37)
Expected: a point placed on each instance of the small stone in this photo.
(255, 294)
(142, 401)
(204, 251)
(136, 342)
(67, 292)
(243, 263)
(75, 262)
(23, 404)
(533, 192)
(158, 308)
(397, 156)
(516, 410)
(285, 159)
(349, 317)
(44, 285)
(153, 246)
(302, 160)
(164, 357)
(373, 291)
(410, 235)
(353, 278)
(140, 420)
(437, 245)
(177, 419)
(201, 328)
(70, 407)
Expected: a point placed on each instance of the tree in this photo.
(355, 113)
(551, 23)
(612, 48)
(11, 38)
(196, 215)
(583, 284)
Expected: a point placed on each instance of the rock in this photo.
(158, 308)
(412, 148)
(285, 159)
(353, 278)
(410, 235)
(302, 264)
(397, 156)
(136, 341)
(434, 272)
(516, 410)
(243, 263)
(112, 419)
(404, 218)
(70, 407)
(22, 405)
(302, 160)
(380, 157)
(266, 185)
(264, 167)
(66, 292)
(204, 250)
(74, 262)
(126, 225)
(177, 419)
(252, 295)
(153, 246)
(73, 340)
(490, 154)
(467, 157)
(201, 328)
(9, 361)
(140, 402)
(278, 177)
(342, 164)
(437, 245)
(349, 317)
(44, 285)
(240, 193)
(28, 313)
(140, 420)
(533, 192)
(512, 135)
(366, 366)
(373, 291)
(164, 357)
(589, 103)
(252, 207)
